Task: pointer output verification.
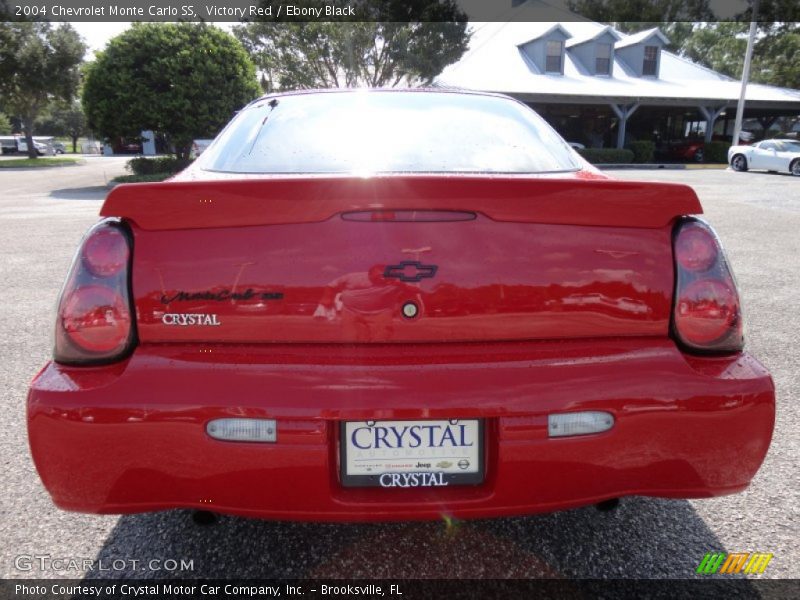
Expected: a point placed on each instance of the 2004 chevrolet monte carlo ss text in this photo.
(396, 305)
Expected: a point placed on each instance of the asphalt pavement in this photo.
(44, 213)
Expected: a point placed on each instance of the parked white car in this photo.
(22, 146)
(770, 155)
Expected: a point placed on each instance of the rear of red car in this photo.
(436, 336)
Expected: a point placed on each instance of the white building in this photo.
(599, 86)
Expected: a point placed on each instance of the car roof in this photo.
(419, 90)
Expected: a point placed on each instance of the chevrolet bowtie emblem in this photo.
(410, 270)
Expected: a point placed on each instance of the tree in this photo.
(777, 56)
(184, 80)
(721, 46)
(718, 46)
(5, 125)
(39, 64)
(674, 17)
(408, 42)
(66, 121)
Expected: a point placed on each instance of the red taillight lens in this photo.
(696, 248)
(707, 315)
(106, 252)
(95, 323)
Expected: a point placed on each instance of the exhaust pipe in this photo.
(607, 505)
(203, 518)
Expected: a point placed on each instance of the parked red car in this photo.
(385, 305)
(693, 150)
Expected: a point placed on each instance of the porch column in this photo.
(766, 123)
(710, 114)
(623, 112)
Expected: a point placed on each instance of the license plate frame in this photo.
(451, 478)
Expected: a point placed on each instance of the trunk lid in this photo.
(401, 259)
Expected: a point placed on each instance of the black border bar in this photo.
(399, 589)
(354, 10)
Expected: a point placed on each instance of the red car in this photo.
(387, 305)
(688, 149)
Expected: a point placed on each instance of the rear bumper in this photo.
(131, 437)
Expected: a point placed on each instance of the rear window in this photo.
(365, 132)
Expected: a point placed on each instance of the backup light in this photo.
(97, 319)
(243, 430)
(707, 310)
(579, 423)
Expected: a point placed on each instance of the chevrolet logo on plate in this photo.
(410, 270)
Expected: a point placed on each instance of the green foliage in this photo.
(643, 151)
(674, 17)
(716, 152)
(776, 57)
(68, 121)
(721, 46)
(777, 14)
(607, 156)
(410, 43)
(39, 65)
(163, 164)
(642, 14)
(16, 163)
(150, 178)
(5, 125)
(185, 80)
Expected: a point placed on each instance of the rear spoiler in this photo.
(273, 201)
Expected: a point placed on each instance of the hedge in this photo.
(153, 177)
(163, 164)
(607, 156)
(716, 152)
(643, 151)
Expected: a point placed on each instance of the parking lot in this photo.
(43, 214)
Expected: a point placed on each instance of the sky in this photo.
(96, 35)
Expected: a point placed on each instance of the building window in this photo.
(555, 51)
(602, 62)
(650, 64)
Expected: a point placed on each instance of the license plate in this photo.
(411, 454)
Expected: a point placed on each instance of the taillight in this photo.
(106, 251)
(94, 323)
(707, 314)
